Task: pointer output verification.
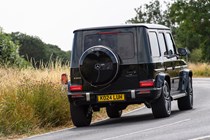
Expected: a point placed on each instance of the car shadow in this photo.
(133, 119)
(126, 120)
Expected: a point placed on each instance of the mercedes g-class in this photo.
(116, 66)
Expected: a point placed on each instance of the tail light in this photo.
(147, 83)
(76, 88)
(64, 79)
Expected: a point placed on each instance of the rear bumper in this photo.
(131, 97)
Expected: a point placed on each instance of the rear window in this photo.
(122, 43)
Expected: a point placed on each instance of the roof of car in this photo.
(150, 26)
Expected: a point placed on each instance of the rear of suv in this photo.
(116, 66)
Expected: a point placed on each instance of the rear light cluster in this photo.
(76, 88)
(142, 84)
(147, 83)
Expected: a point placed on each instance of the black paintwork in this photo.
(131, 71)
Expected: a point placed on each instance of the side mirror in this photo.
(183, 51)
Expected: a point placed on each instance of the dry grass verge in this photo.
(200, 69)
(31, 99)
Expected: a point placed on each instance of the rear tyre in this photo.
(113, 112)
(81, 115)
(162, 106)
(186, 102)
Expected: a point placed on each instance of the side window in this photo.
(154, 44)
(162, 44)
(170, 44)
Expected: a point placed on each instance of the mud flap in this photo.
(184, 79)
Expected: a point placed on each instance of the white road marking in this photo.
(201, 138)
(149, 129)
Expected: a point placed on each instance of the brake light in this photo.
(75, 88)
(148, 83)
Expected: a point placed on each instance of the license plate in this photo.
(114, 97)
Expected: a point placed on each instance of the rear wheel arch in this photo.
(160, 78)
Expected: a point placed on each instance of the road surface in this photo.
(141, 125)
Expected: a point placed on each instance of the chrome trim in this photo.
(87, 96)
(160, 69)
(178, 67)
(184, 66)
(133, 95)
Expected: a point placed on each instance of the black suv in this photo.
(116, 66)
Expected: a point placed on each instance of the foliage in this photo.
(192, 18)
(205, 46)
(35, 50)
(151, 13)
(196, 55)
(9, 55)
(188, 19)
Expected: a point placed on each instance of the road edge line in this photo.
(200, 138)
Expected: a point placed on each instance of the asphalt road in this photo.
(141, 125)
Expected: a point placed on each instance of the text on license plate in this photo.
(114, 97)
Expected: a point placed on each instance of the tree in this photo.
(192, 18)
(152, 13)
(33, 49)
(188, 19)
(9, 51)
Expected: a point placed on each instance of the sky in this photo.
(54, 21)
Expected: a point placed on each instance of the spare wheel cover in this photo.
(99, 65)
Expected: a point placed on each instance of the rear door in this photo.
(172, 63)
(122, 41)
